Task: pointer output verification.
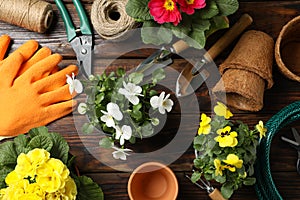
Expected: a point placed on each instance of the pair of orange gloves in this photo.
(33, 91)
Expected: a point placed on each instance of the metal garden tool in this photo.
(193, 76)
(82, 39)
(160, 58)
(295, 145)
(213, 193)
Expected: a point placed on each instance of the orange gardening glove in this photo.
(27, 50)
(34, 98)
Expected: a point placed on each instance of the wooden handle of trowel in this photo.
(216, 195)
(228, 37)
(180, 46)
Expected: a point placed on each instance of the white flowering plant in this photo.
(123, 107)
(39, 166)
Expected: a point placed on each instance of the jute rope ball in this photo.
(110, 19)
(34, 15)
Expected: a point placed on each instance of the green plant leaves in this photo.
(227, 190)
(188, 29)
(88, 189)
(153, 33)
(106, 142)
(138, 9)
(227, 7)
(136, 77)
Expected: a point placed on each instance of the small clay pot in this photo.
(287, 49)
(152, 181)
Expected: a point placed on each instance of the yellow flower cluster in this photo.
(39, 177)
(231, 163)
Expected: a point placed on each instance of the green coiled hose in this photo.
(265, 186)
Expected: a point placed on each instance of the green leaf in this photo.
(87, 128)
(60, 149)
(8, 155)
(153, 33)
(158, 75)
(217, 23)
(137, 107)
(120, 72)
(38, 131)
(220, 179)
(138, 9)
(137, 115)
(147, 129)
(210, 10)
(21, 144)
(106, 143)
(227, 190)
(99, 98)
(198, 34)
(42, 142)
(196, 176)
(3, 173)
(88, 189)
(153, 93)
(249, 181)
(136, 77)
(183, 28)
(227, 7)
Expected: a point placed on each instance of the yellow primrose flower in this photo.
(234, 161)
(70, 190)
(13, 178)
(226, 138)
(219, 167)
(261, 129)
(24, 166)
(222, 110)
(38, 156)
(204, 125)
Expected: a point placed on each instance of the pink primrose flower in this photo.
(189, 6)
(165, 11)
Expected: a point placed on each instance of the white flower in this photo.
(162, 103)
(123, 133)
(74, 84)
(131, 91)
(113, 112)
(120, 153)
(82, 108)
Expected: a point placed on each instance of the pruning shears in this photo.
(81, 39)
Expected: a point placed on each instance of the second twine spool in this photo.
(110, 19)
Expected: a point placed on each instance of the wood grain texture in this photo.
(268, 16)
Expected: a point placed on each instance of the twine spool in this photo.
(110, 19)
(34, 15)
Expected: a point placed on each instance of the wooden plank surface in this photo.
(269, 16)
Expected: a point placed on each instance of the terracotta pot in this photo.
(287, 49)
(152, 181)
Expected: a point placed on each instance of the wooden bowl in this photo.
(287, 49)
(152, 181)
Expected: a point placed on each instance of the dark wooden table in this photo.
(268, 16)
